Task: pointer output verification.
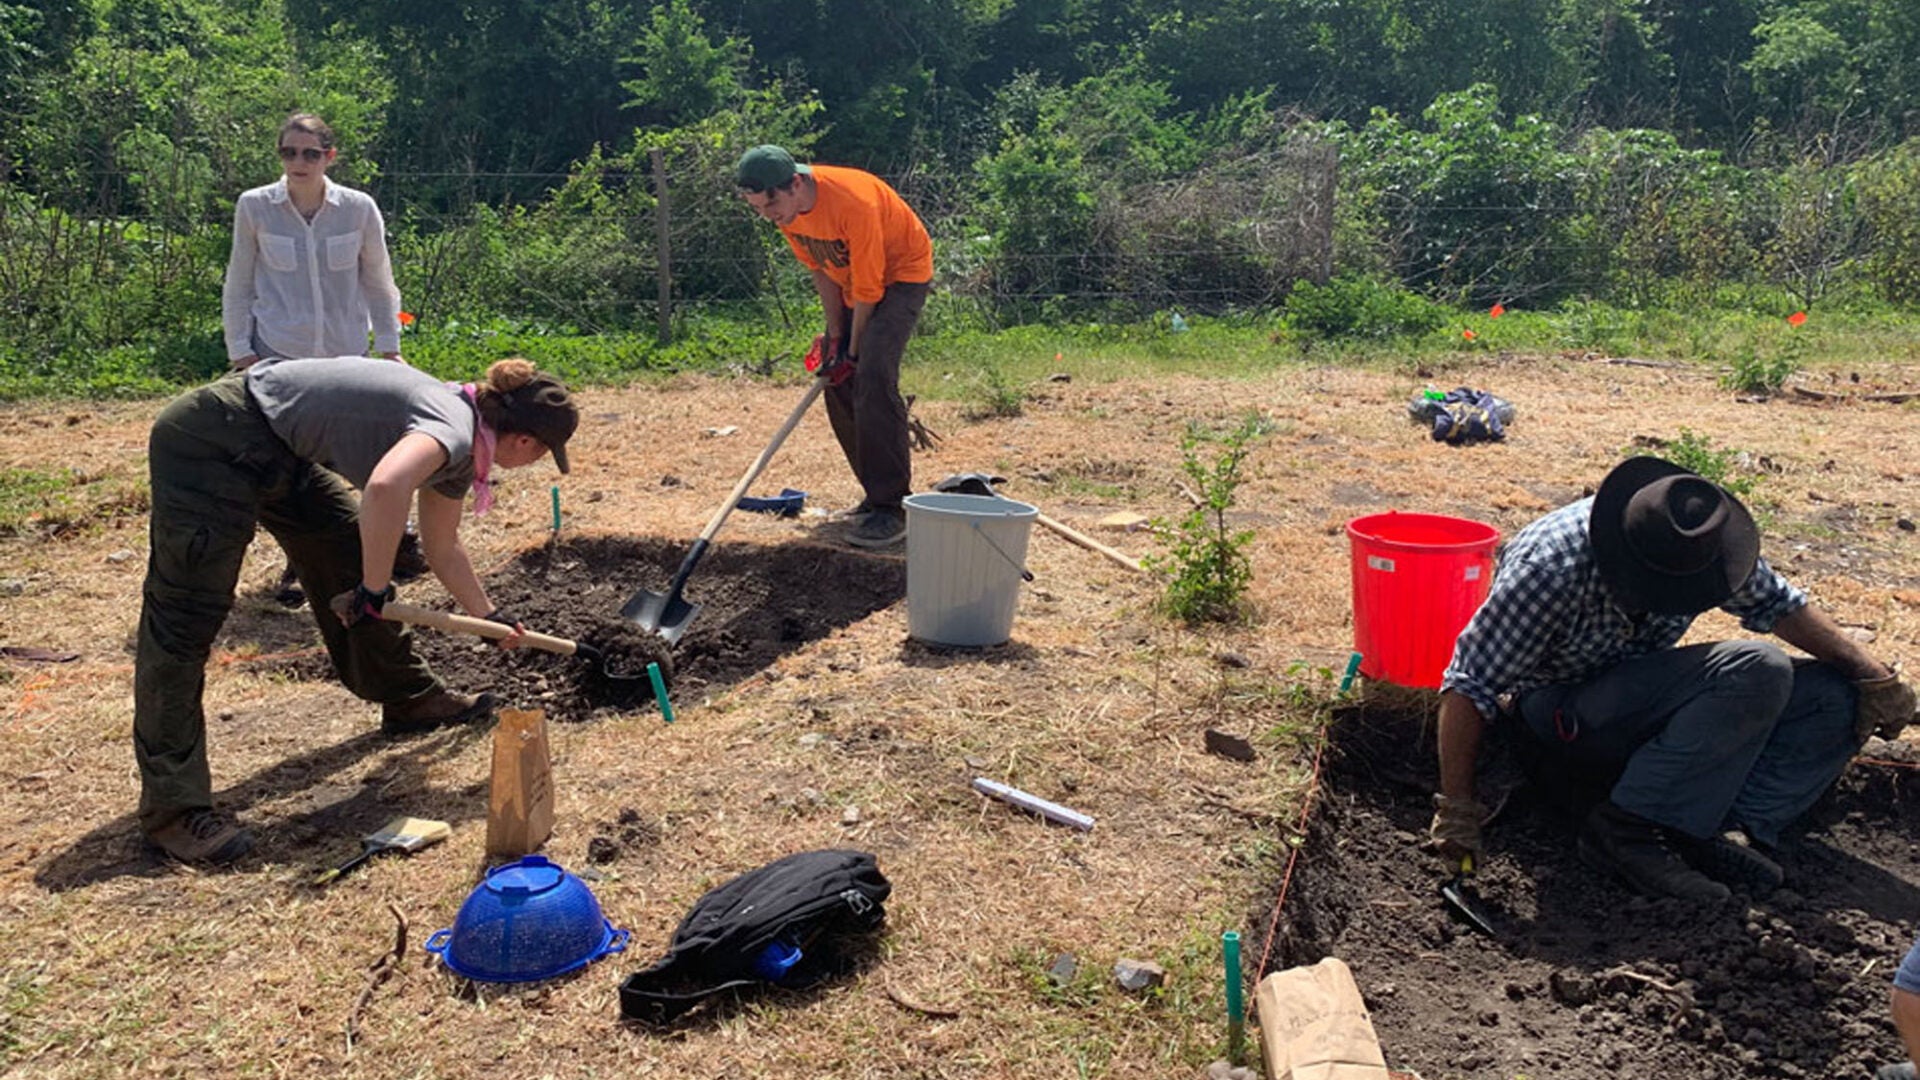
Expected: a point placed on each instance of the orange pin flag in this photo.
(406, 318)
(1497, 310)
(1468, 334)
(1796, 318)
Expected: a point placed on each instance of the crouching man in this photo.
(1716, 747)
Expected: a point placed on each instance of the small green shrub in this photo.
(1697, 453)
(1000, 397)
(1361, 307)
(1206, 561)
(1754, 373)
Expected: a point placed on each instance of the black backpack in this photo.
(811, 901)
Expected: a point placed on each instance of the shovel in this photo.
(1453, 892)
(976, 483)
(668, 613)
(466, 624)
(403, 834)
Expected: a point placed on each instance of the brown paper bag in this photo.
(1314, 1025)
(520, 806)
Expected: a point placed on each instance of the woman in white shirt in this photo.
(309, 274)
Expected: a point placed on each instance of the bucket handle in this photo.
(1025, 574)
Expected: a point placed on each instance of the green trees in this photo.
(1112, 157)
(1466, 204)
(1889, 207)
(127, 138)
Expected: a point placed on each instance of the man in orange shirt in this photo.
(872, 264)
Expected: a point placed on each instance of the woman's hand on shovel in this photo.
(511, 641)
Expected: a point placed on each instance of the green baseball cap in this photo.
(766, 167)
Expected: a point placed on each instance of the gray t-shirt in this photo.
(346, 412)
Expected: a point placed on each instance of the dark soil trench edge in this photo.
(1585, 979)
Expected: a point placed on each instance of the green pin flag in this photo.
(1353, 668)
(660, 692)
(556, 507)
(1236, 1009)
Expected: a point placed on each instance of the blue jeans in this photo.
(1908, 977)
(1708, 737)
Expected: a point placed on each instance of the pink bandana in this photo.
(483, 443)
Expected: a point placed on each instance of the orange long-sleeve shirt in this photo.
(861, 234)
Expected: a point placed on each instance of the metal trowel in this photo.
(1454, 892)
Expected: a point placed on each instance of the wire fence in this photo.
(627, 242)
(622, 242)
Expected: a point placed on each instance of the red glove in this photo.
(829, 357)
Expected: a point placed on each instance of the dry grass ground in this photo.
(112, 965)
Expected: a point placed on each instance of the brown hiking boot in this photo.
(1641, 852)
(202, 836)
(438, 709)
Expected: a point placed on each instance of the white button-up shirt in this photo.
(309, 288)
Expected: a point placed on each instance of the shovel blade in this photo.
(662, 613)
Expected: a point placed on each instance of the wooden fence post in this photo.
(662, 233)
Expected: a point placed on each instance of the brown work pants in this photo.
(868, 415)
(218, 471)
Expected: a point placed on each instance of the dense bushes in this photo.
(1361, 307)
(1138, 168)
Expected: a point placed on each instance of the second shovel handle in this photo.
(1091, 544)
(467, 624)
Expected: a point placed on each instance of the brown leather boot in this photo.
(202, 836)
(1643, 854)
(441, 708)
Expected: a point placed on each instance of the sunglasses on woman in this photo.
(310, 153)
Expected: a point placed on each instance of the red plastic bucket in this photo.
(1417, 580)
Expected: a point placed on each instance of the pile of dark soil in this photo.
(1583, 978)
(757, 603)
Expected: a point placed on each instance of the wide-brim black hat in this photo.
(1669, 541)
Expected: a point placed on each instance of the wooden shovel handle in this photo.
(467, 624)
(1087, 542)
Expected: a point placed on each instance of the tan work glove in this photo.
(1455, 832)
(1885, 707)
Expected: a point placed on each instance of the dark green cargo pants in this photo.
(867, 413)
(218, 471)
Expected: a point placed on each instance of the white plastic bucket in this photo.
(964, 557)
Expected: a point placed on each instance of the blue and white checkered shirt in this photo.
(1548, 619)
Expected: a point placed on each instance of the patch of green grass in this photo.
(965, 359)
(1094, 489)
(21, 988)
(60, 499)
(28, 493)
